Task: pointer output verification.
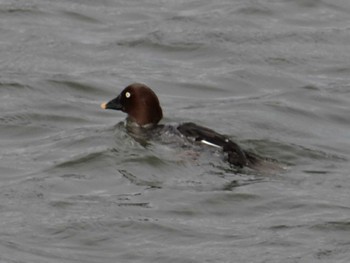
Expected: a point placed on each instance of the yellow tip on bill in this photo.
(104, 105)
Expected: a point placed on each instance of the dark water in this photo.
(273, 75)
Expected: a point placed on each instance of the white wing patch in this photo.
(210, 144)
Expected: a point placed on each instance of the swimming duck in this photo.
(143, 110)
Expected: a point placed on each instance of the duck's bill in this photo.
(104, 105)
(114, 104)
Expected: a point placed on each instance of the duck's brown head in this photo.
(139, 102)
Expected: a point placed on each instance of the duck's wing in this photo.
(236, 155)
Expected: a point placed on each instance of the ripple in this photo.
(76, 86)
(26, 9)
(160, 40)
(333, 226)
(80, 17)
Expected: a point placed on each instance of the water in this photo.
(273, 75)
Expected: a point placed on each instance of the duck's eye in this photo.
(127, 95)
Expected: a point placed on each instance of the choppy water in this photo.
(273, 75)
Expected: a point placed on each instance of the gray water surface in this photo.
(272, 75)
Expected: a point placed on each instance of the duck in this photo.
(143, 110)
